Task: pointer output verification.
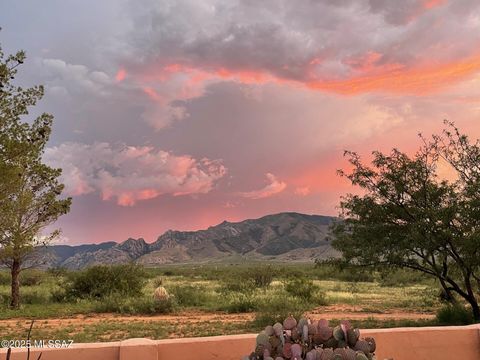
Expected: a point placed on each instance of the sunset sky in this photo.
(179, 114)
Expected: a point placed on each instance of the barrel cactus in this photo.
(311, 340)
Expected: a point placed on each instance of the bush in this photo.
(31, 277)
(239, 303)
(189, 295)
(261, 276)
(34, 297)
(58, 272)
(59, 295)
(134, 306)
(158, 281)
(276, 309)
(243, 287)
(336, 270)
(5, 278)
(302, 288)
(455, 315)
(4, 299)
(101, 281)
(401, 277)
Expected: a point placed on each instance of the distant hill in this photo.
(285, 236)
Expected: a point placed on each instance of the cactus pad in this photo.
(363, 346)
(371, 343)
(338, 333)
(289, 323)
(360, 356)
(311, 340)
(325, 332)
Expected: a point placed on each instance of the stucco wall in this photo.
(439, 343)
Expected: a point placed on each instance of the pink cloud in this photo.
(121, 75)
(132, 174)
(302, 191)
(430, 4)
(274, 187)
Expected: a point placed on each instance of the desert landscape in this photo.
(210, 301)
(238, 179)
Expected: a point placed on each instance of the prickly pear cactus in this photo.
(307, 339)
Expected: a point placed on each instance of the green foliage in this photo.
(408, 216)
(263, 278)
(5, 278)
(189, 295)
(158, 281)
(302, 288)
(239, 303)
(29, 189)
(35, 297)
(116, 303)
(277, 308)
(259, 276)
(233, 285)
(337, 270)
(401, 277)
(57, 272)
(59, 295)
(31, 277)
(237, 291)
(101, 281)
(454, 314)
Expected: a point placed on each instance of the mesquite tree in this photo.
(411, 215)
(29, 189)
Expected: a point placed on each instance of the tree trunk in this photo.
(15, 272)
(471, 298)
(475, 308)
(448, 293)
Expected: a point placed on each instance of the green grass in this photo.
(215, 289)
(114, 330)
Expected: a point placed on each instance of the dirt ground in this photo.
(327, 312)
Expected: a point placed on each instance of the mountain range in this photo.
(285, 236)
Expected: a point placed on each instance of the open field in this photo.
(218, 299)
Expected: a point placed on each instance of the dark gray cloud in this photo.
(299, 40)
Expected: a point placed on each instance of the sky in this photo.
(179, 114)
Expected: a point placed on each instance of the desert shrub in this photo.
(239, 303)
(34, 297)
(262, 277)
(168, 273)
(233, 285)
(400, 277)
(31, 277)
(5, 278)
(57, 272)
(276, 309)
(305, 290)
(189, 295)
(134, 305)
(101, 281)
(4, 299)
(356, 275)
(337, 270)
(158, 281)
(301, 288)
(59, 295)
(455, 314)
